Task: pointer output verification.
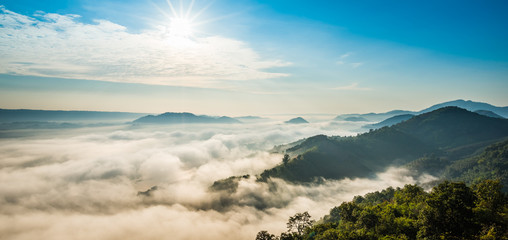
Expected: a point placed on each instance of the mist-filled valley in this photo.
(153, 182)
(255, 119)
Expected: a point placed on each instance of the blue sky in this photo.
(252, 57)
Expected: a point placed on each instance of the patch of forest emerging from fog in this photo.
(452, 210)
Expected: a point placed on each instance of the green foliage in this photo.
(492, 163)
(452, 210)
(299, 223)
(491, 209)
(337, 158)
(452, 126)
(349, 212)
(436, 142)
(264, 235)
(314, 164)
(286, 159)
(375, 197)
(228, 185)
(429, 163)
(429, 142)
(449, 212)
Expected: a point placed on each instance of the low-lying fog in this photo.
(84, 183)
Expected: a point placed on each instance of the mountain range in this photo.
(446, 132)
(438, 142)
(372, 117)
(483, 108)
(180, 118)
(471, 106)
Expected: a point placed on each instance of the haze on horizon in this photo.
(251, 57)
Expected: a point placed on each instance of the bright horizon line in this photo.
(243, 115)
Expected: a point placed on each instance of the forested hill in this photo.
(452, 126)
(450, 133)
(452, 210)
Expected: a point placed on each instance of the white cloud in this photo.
(55, 45)
(352, 87)
(83, 184)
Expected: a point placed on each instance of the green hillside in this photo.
(452, 127)
(448, 134)
(490, 164)
(452, 210)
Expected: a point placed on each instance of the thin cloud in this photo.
(342, 60)
(356, 64)
(352, 87)
(345, 55)
(268, 93)
(54, 45)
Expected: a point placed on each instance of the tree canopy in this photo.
(451, 210)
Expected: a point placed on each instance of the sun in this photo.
(181, 24)
(180, 27)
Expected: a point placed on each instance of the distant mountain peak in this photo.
(297, 120)
(471, 106)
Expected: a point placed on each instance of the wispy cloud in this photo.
(345, 55)
(342, 60)
(268, 93)
(356, 64)
(352, 87)
(54, 45)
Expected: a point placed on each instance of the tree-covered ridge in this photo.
(450, 127)
(452, 210)
(491, 163)
(448, 134)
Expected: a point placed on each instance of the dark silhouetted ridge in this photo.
(184, 117)
(297, 120)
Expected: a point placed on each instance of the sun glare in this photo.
(181, 24)
(180, 27)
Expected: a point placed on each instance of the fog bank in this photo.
(84, 184)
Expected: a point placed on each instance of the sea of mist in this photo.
(84, 183)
